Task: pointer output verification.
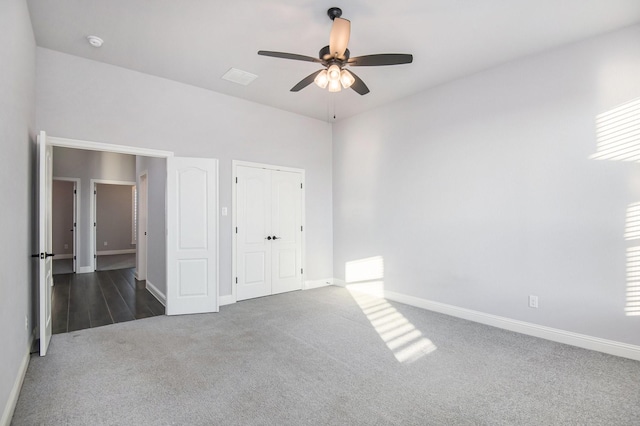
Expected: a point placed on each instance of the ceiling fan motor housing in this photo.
(334, 12)
(325, 54)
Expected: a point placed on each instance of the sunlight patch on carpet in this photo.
(364, 280)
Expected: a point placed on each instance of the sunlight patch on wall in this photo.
(618, 133)
(364, 282)
(633, 282)
(632, 230)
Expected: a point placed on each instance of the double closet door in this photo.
(269, 231)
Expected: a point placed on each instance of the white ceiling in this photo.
(197, 41)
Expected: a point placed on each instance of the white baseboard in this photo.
(110, 252)
(85, 270)
(10, 407)
(580, 340)
(63, 256)
(157, 293)
(227, 299)
(308, 285)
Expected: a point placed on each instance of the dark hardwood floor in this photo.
(100, 298)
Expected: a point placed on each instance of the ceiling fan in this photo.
(335, 58)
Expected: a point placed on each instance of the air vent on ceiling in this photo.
(239, 76)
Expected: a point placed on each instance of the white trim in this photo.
(63, 256)
(85, 269)
(93, 214)
(107, 147)
(228, 299)
(338, 282)
(308, 285)
(157, 293)
(580, 340)
(234, 175)
(110, 252)
(10, 407)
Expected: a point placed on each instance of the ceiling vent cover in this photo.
(238, 76)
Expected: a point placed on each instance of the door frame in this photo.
(76, 215)
(108, 147)
(143, 211)
(93, 212)
(234, 176)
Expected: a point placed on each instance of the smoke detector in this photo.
(95, 41)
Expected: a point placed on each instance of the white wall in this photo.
(87, 100)
(156, 169)
(17, 168)
(87, 165)
(481, 192)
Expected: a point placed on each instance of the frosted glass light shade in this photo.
(334, 86)
(334, 73)
(321, 79)
(346, 78)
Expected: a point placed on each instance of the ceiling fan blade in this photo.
(305, 81)
(359, 85)
(381, 59)
(284, 55)
(339, 38)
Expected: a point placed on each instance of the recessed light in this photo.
(239, 76)
(95, 41)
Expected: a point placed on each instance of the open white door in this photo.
(192, 246)
(45, 275)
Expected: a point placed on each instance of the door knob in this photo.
(276, 238)
(49, 254)
(268, 238)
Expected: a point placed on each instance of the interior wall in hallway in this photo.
(114, 214)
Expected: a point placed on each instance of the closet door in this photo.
(286, 219)
(253, 249)
(269, 232)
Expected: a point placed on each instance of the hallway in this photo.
(106, 297)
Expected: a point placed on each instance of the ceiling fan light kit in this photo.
(335, 57)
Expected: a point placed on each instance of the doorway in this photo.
(113, 213)
(64, 219)
(268, 225)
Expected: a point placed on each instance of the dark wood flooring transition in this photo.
(100, 298)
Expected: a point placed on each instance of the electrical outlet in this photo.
(533, 301)
(105, 243)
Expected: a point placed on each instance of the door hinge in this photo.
(94, 224)
(301, 271)
(236, 280)
(74, 224)
(300, 186)
(95, 192)
(75, 192)
(95, 256)
(236, 180)
(236, 229)
(301, 229)
(74, 258)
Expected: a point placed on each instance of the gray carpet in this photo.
(315, 358)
